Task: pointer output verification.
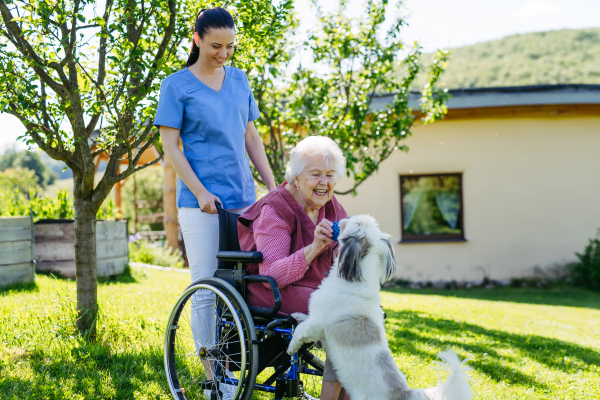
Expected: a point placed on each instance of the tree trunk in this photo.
(170, 205)
(118, 198)
(85, 264)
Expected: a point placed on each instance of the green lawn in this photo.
(523, 343)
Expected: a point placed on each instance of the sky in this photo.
(438, 24)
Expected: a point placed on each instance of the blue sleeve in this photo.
(169, 111)
(253, 112)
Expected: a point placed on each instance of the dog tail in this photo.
(457, 385)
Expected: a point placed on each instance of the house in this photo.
(508, 180)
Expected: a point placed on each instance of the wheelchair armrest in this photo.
(264, 311)
(253, 257)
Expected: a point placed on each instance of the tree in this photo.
(85, 80)
(28, 160)
(361, 63)
(23, 181)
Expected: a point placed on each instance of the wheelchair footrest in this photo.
(206, 384)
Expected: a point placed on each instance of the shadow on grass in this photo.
(128, 276)
(414, 331)
(568, 297)
(96, 371)
(19, 288)
(90, 371)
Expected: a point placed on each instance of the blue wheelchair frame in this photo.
(293, 373)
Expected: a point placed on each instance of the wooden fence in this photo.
(16, 250)
(54, 251)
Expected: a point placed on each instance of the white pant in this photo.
(201, 237)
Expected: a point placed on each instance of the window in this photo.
(431, 207)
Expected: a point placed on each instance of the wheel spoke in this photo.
(228, 323)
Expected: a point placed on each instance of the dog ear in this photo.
(353, 249)
(388, 261)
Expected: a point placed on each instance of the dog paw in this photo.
(293, 347)
(300, 317)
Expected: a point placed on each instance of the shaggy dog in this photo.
(345, 315)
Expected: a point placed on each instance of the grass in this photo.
(523, 343)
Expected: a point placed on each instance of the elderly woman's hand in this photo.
(323, 234)
(323, 237)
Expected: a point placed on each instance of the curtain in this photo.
(410, 201)
(449, 204)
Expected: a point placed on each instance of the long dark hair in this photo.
(206, 20)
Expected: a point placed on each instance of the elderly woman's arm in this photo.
(272, 237)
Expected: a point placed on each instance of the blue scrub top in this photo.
(212, 126)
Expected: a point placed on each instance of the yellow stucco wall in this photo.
(531, 194)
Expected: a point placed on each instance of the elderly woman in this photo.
(292, 227)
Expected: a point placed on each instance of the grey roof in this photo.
(507, 96)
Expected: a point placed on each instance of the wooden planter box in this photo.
(16, 250)
(54, 251)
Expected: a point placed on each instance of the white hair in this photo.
(311, 146)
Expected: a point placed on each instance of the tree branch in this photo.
(107, 182)
(145, 147)
(384, 157)
(14, 35)
(72, 36)
(163, 45)
(56, 153)
(46, 121)
(88, 26)
(90, 128)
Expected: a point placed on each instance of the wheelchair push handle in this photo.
(265, 311)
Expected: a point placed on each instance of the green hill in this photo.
(542, 58)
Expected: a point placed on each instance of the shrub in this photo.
(16, 203)
(586, 272)
(13, 203)
(558, 274)
(20, 179)
(155, 254)
(28, 160)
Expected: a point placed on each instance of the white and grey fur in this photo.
(345, 315)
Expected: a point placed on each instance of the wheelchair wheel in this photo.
(210, 343)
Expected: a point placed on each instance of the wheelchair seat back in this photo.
(232, 263)
(228, 235)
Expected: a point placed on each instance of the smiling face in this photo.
(315, 184)
(216, 46)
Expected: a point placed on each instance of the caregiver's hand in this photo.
(206, 200)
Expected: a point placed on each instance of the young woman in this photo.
(210, 106)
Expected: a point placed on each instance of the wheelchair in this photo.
(245, 346)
